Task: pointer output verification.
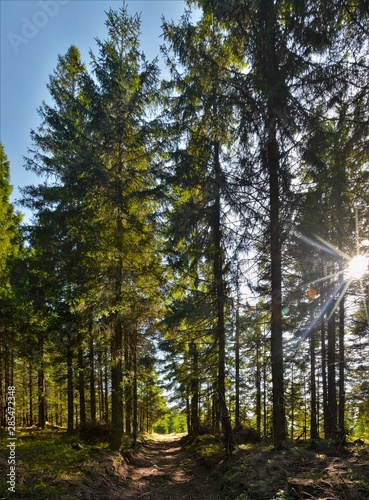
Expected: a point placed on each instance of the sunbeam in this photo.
(333, 275)
(365, 304)
(340, 296)
(335, 250)
(323, 245)
(332, 299)
(355, 269)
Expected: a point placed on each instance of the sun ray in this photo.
(333, 275)
(335, 250)
(339, 298)
(325, 308)
(364, 301)
(323, 245)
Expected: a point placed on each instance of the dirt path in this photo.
(162, 470)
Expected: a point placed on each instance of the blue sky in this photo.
(33, 34)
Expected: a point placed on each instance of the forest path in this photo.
(163, 470)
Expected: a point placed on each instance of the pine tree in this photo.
(199, 63)
(10, 251)
(123, 92)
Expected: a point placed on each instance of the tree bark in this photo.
(41, 387)
(279, 417)
(134, 385)
(116, 386)
(273, 91)
(81, 383)
(30, 394)
(237, 360)
(194, 421)
(331, 379)
(92, 370)
(341, 371)
(70, 421)
(220, 305)
(313, 394)
(128, 382)
(324, 380)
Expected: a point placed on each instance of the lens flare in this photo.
(356, 268)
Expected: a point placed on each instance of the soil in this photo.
(163, 470)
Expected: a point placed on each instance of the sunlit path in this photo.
(161, 469)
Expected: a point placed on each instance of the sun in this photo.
(357, 267)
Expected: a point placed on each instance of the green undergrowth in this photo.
(208, 450)
(318, 469)
(49, 464)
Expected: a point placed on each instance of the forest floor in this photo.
(51, 466)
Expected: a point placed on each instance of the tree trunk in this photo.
(92, 370)
(117, 338)
(194, 411)
(41, 387)
(100, 383)
(70, 388)
(220, 305)
(188, 414)
(106, 394)
(341, 377)
(2, 392)
(273, 87)
(81, 383)
(237, 419)
(292, 403)
(313, 395)
(258, 380)
(265, 401)
(134, 385)
(279, 417)
(331, 379)
(116, 386)
(128, 382)
(30, 394)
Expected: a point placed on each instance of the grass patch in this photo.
(207, 449)
(49, 464)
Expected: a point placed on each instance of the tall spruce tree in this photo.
(122, 95)
(63, 215)
(10, 251)
(202, 115)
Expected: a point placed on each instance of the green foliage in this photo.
(208, 449)
(9, 228)
(172, 422)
